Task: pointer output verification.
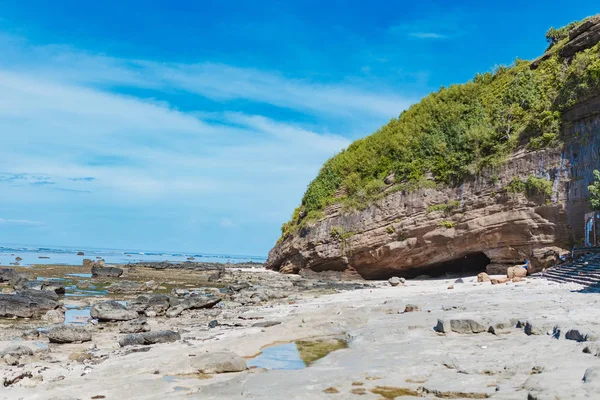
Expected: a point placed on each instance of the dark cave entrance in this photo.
(467, 265)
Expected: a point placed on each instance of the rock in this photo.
(497, 328)
(592, 375)
(18, 259)
(150, 313)
(16, 351)
(466, 326)
(459, 280)
(517, 279)
(395, 281)
(69, 334)
(442, 326)
(80, 253)
(134, 326)
(499, 281)
(191, 303)
(54, 316)
(126, 287)
(483, 277)
(11, 360)
(516, 272)
(583, 37)
(265, 324)
(25, 305)
(112, 311)
(497, 269)
(217, 363)
(151, 285)
(149, 338)
(411, 308)
(105, 272)
(10, 275)
(80, 357)
(44, 285)
(450, 287)
(213, 324)
(575, 334)
(537, 328)
(180, 292)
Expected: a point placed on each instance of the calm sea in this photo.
(68, 256)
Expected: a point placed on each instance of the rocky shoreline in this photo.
(437, 338)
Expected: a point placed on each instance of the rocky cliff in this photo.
(487, 222)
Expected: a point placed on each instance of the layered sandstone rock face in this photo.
(477, 225)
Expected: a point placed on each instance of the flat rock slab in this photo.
(69, 334)
(149, 338)
(16, 351)
(126, 287)
(112, 311)
(134, 326)
(218, 363)
(25, 305)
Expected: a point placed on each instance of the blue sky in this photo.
(196, 125)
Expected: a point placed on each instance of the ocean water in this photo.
(32, 255)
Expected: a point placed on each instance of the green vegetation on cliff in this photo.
(455, 132)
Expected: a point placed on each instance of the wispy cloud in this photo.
(433, 27)
(428, 35)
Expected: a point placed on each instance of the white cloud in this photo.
(428, 35)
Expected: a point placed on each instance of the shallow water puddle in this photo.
(80, 275)
(295, 355)
(77, 316)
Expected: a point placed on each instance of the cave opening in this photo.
(467, 265)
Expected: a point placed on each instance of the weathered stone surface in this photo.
(16, 351)
(538, 328)
(483, 277)
(11, 276)
(466, 326)
(516, 272)
(26, 304)
(499, 281)
(105, 272)
(191, 303)
(134, 326)
(43, 285)
(395, 281)
(54, 316)
(112, 311)
(69, 334)
(149, 338)
(217, 363)
(126, 287)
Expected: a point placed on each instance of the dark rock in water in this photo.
(69, 334)
(126, 287)
(149, 338)
(213, 324)
(80, 253)
(17, 259)
(134, 326)
(265, 324)
(27, 304)
(106, 272)
(112, 311)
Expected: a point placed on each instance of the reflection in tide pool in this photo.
(77, 316)
(80, 275)
(282, 357)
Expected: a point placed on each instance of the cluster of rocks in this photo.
(513, 274)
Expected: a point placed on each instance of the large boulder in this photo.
(157, 303)
(10, 275)
(483, 277)
(16, 351)
(149, 338)
(466, 326)
(26, 304)
(217, 363)
(43, 285)
(516, 272)
(69, 334)
(99, 270)
(112, 311)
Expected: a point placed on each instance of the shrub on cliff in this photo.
(455, 132)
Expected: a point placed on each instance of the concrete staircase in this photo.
(585, 271)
